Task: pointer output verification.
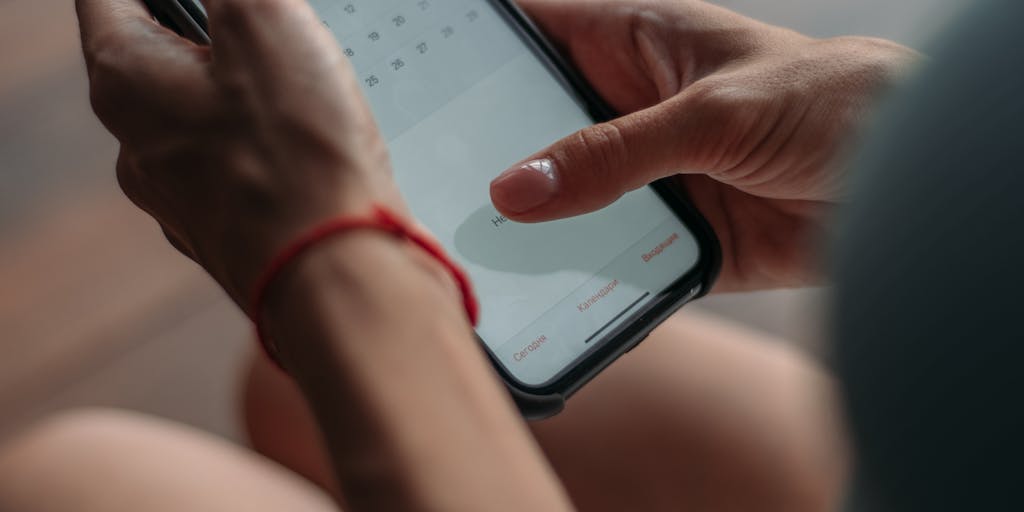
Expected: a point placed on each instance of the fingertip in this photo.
(525, 188)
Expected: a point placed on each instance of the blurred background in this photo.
(97, 309)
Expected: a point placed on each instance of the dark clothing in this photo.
(929, 268)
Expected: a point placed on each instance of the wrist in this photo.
(359, 282)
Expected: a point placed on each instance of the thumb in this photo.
(590, 169)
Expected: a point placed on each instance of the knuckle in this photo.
(126, 176)
(711, 98)
(135, 183)
(105, 102)
(592, 163)
(727, 115)
(603, 147)
(100, 99)
(106, 78)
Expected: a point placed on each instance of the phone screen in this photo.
(460, 96)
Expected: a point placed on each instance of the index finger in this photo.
(137, 66)
(103, 20)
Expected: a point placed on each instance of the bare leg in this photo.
(703, 416)
(108, 461)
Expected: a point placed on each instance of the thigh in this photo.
(703, 416)
(113, 461)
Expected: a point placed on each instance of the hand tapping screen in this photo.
(460, 97)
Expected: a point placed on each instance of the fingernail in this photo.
(524, 188)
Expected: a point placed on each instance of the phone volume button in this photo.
(637, 343)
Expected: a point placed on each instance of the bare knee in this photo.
(69, 433)
(94, 459)
(701, 412)
(44, 456)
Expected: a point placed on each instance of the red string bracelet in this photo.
(380, 219)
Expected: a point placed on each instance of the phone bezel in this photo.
(545, 400)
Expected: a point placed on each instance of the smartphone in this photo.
(463, 89)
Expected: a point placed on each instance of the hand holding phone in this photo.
(750, 119)
(233, 154)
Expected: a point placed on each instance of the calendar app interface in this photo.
(460, 97)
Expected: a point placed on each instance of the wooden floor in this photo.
(96, 309)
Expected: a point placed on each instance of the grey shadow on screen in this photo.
(487, 240)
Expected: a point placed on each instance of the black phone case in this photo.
(548, 400)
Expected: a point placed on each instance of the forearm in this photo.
(412, 414)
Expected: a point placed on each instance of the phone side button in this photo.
(637, 343)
